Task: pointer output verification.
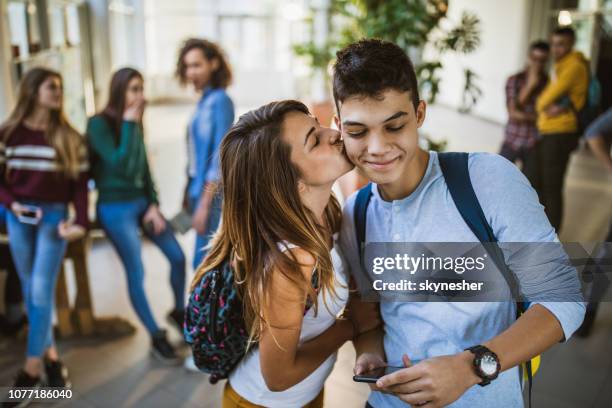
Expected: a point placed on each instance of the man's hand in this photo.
(435, 382)
(533, 77)
(368, 362)
(200, 219)
(154, 217)
(555, 110)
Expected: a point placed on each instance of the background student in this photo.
(522, 90)
(127, 201)
(557, 108)
(202, 64)
(44, 168)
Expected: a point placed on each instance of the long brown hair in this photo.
(262, 207)
(221, 78)
(113, 112)
(68, 144)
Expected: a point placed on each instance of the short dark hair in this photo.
(221, 78)
(369, 67)
(539, 45)
(565, 31)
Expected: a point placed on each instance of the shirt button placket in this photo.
(395, 211)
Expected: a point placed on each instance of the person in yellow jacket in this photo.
(557, 123)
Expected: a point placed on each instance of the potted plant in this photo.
(415, 25)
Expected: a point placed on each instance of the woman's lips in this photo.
(380, 164)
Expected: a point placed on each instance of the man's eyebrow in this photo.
(312, 129)
(390, 118)
(395, 116)
(351, 123)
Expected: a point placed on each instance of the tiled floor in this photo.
(119, 372)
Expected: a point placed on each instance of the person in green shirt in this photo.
(127, 201)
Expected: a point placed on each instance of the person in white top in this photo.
(278, 221)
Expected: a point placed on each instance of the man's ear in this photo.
(338, 123)
(420, 113)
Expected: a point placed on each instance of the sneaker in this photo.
(57, 374)
(23, 380)
(163, 350)
(177, 318)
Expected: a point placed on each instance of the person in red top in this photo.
(43, 168)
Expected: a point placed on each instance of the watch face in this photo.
(488, 364)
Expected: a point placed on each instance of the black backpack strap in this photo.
(360, 212)
(457, 176)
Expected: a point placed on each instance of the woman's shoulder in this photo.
(98, 122)
(20, 134)
(303, 257)
(219, 96)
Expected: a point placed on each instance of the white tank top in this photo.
(247, 380)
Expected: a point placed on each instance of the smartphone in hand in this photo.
(373, 375)
(29, 214)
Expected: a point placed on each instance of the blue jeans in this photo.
(38, 252)
(211, 226)
(121, 222)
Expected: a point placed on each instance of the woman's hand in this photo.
(26, 214)
(134, 112)
(69, 231)
(365, 316)
(200, 219)
(154, 218)
(18, 209)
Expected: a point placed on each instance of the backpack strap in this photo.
(360, 212)
(457, 176)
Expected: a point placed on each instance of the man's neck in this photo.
(564, 57)
(410, 179)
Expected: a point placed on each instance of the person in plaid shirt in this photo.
(522, 90)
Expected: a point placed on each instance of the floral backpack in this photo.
(214, 322)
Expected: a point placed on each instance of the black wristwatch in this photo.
(486, 364)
